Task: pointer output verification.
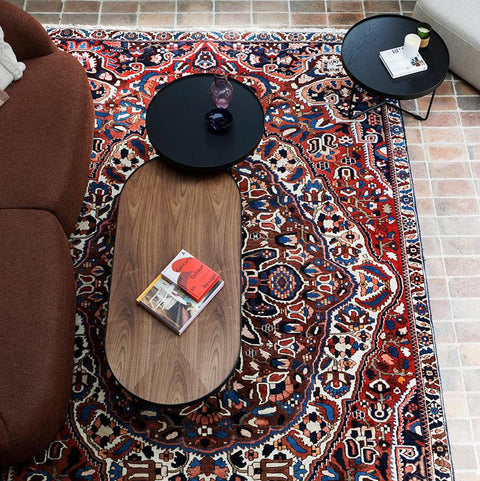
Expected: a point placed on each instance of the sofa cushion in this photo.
(37, 308)
(46, 134)
(457, 23)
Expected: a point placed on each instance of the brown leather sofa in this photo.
(46, 134)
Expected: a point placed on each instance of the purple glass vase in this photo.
(221, 89)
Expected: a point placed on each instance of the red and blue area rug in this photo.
(337, 378)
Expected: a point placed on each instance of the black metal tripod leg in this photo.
(352, 95)
(413, 114)
(358, 114)
(429, 107)
(373, 107)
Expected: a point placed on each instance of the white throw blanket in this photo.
(10, 68)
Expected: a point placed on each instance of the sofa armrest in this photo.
(24, 33)
(46, 136)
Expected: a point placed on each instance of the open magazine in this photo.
(398, 65)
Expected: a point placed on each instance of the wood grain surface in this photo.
(161, 211)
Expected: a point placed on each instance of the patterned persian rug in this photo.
(337, 378)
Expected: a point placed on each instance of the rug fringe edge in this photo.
(196, 29)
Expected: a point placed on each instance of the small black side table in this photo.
(360, 58)
(177, 129)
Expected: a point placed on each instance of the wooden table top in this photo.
(161, 211)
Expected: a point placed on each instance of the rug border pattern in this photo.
(433, 410)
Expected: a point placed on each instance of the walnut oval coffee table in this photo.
(161, 211)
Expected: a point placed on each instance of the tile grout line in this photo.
(437, 225)
(472, 173)
(175, 21)
(99, 15)
(442, 255)
(442, 298)
(462, 367)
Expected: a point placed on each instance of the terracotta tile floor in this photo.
(445, 160)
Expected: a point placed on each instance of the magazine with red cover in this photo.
(190, 274)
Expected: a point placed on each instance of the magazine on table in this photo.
(172, 305)
(192, 275)
(398, 65)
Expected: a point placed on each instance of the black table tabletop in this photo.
(360, 57)
(177, 129)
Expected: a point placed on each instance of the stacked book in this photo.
(398, 65)
(180, 292)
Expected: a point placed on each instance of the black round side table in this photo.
(360, 57)
(177, 128)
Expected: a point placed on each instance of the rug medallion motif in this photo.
(337, 378)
